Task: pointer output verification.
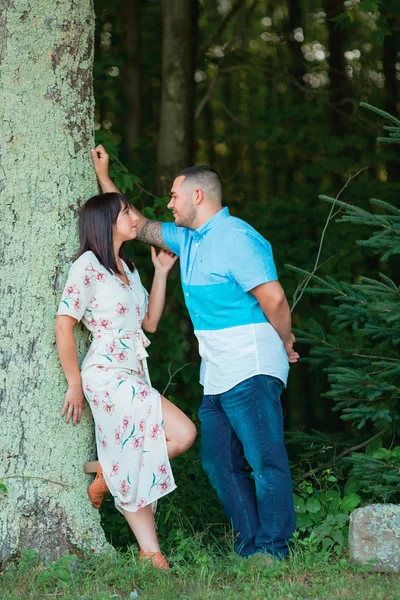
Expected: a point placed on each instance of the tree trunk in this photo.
(337, 77)
(131, 74)
(46, 112)
(175, 142)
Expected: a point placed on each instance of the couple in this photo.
(242, 321)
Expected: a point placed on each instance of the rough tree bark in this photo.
(175, 142)
(46, 110)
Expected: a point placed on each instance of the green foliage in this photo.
(322, 513)
(379, 12)
(123, 179)
(377, 473)
(360, 352)
(58, 573)
(197, 572)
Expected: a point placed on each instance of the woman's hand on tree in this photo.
(100, 160)
(73, 403)
(163, 261)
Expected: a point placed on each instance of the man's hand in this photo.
(272, 300)
(292, 355)
(100, 162)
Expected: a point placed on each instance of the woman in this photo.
(137, 429)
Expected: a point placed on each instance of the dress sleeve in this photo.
(78, 290)
(173, 236)
(251, 262)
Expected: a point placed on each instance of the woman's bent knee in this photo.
(191, 434)
(186, 436)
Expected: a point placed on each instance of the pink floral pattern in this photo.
(155, 432)
(127, 411)
(121, 309)
(114, 468)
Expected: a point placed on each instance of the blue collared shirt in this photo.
(220, 263)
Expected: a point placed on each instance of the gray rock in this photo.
(374, 537)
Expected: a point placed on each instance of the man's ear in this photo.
(198, 196)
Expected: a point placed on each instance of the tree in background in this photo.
(46, 110)
(175, 137)
(360, 353)
(131, 75)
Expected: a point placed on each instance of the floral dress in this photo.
(127, 411)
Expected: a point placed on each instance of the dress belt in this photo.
(140, 339)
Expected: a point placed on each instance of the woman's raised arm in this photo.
(163, 263)
(149, 231)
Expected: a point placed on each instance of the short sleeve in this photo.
(173, 236)
(78, 290)
(251, 261)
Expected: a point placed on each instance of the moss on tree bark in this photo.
(46, 106)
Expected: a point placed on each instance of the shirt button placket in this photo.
(187, 294)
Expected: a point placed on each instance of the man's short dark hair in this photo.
(205, 178)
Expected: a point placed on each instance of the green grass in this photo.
(197, 573)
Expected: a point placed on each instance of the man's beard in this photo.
(188, 219)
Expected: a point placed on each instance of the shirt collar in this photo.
(205, 228)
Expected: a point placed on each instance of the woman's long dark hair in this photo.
(96, 219)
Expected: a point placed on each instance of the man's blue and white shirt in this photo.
(220, 262)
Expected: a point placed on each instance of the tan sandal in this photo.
(157, 559)
(98, 489)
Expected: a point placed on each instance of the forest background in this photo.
(277, 96)
(268, 93)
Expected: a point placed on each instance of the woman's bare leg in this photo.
(180, 431)
(142, 524)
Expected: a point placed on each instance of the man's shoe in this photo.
(262, 559)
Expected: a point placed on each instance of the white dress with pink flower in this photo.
(127, 411)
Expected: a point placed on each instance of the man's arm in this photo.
(149, 232)
(272, 300)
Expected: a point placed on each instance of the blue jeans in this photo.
(247, 420)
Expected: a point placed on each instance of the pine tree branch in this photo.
(301, 287)
(378, 357)
(342, 455)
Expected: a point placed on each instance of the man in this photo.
(242, 321)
